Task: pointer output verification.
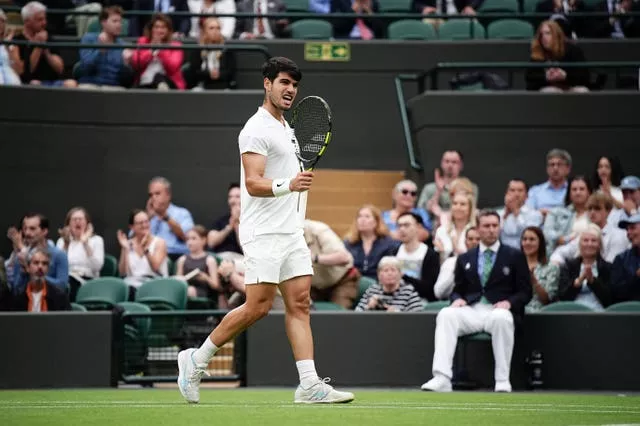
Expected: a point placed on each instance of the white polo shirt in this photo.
(265, 135)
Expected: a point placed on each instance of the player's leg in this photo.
(193, 362)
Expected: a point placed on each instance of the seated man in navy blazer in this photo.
(492, 286)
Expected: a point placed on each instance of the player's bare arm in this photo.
(259, 186)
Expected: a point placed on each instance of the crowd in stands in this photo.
(214, 67)
(579, 236)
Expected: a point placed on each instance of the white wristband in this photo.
(280, 187)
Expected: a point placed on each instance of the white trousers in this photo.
(454, 322)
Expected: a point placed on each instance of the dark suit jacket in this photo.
(575, 24)
(195, 74)
(181, 24)
(57, 300)
(246, 25)
(342, 27)
(600, 286)
(510, 280)
(428, 276)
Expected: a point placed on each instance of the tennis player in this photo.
(273, 192)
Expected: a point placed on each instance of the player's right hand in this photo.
(302, 182)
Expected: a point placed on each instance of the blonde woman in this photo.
(368, 240)
(450, 238)
(210, 69)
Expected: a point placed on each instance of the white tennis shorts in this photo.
(274, 258)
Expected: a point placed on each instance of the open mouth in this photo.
(287, 99)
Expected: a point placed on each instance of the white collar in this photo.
(494, 247)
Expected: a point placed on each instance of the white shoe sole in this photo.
(343, 400)
(181, 360)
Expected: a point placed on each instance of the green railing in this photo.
(148, 344)
(434, 73)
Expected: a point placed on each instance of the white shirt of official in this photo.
(263, 134)
(411, 263)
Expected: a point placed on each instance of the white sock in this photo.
(205, 352)
(307, 372)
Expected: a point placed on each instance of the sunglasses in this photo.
(406, 191)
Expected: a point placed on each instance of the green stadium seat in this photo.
(136, 333)
(297, 5)
(78, 308)
(327, 306)
(163, 294)
(410, 29)
(496, 6)
(102, 293)
(512, 29)
(564, 306)
(395, 6)
(95, 27)
(142, 324)
(631, 306)
(311, 29)
(436, 306)
(110, 266)
(363, 284)
(529, 6)
(461, 29)
(171, 267)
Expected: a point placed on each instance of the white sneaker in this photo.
(503, 386)
(189, 376)
(439, 383)
(321, 393)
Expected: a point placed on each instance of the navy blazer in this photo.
(510, 280)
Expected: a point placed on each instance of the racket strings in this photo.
(312, 124)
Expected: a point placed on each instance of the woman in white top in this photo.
(84, 249)
(143, 256)
(445, 282)
(450, 238)
(227, 24)
(607, 177)
(10, 63)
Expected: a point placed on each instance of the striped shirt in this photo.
(405, 298)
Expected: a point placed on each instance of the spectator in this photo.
(460, 185)
(180, 23)
(142, 257)
(492, 287)
(449, 7)
(205, 281)
(40, 66)
(515, 216)
(625, 272)
(444, 285)
(227, 24)
(168, 221)
(35, 229)
(614, 240)
(364, 28)
(563, 224)
(630, 187)
(390, 293)
(260, 27)
(84, 249)
(544, 275)
(223, 236)
(158, 69)
(106, 68)
(550, 45)
(404, 200)
(38, 295)
(553, 192)
(436, 196)
(334, 277)
(10, 63)
(210, 69)
(233, 288)
(586, 279)
(81, 21)
(450, 239)
(419, 263)
(606, 178)
(320, 6)
(368, 240)
(561, 10)
(612, 26)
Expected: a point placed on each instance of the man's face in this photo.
(517, 192)
(451, 164)
(38, 266)
(37, 22)
(557, 169)
(489, 229)
(472, 239)
(407, 229)
(32, 232)
(112, 25)
(282, 91)
(233, 198)
(631, 194)
(160, 196)
(598, 214)
(633, 233)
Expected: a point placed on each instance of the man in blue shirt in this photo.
(516, 216)
(168, 221)
(625, 272)
(550, 194)
(105, 67)
(35, 228)
(630, 187)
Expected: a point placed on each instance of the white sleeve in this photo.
(447, 244)
(565, 252)
(444, 284)
(253, 143)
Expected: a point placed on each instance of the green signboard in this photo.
(327, 51)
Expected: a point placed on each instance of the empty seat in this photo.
(461, 29)
(311, 29)
(410, 29)
(110, 266)
(565, 307)
(395, 5)
(102, 293)
(163, 294)
(631, 306)
(513, 29)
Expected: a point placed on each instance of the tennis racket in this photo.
(311, 125)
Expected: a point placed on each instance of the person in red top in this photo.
(157, 69)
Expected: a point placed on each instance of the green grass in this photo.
(154, 407)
